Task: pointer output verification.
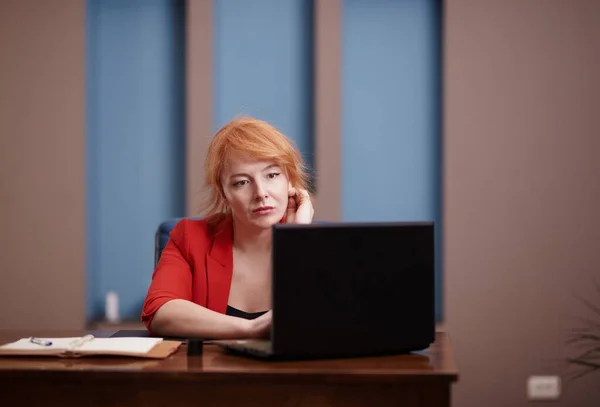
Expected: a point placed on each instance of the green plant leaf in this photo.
(589, 354)
(583, 372)
(584, 363)
(591, 337)
(589, 305)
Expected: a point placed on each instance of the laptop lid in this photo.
(351, 289)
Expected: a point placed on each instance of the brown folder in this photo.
(151, 348)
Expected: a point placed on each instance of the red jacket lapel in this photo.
(219, 267)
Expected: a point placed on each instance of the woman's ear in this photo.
(223, 198)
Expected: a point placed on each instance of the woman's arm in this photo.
(186, 319)
(168, 308)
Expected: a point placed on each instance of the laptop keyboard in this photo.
(261, 345)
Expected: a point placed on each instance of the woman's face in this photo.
(256, 191)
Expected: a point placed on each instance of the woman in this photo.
(213, 279)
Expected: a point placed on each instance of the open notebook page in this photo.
(138, 346)
(25, 344)
(129, 345)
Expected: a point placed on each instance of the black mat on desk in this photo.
(136, 333)
(140, 333)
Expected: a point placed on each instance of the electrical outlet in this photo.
(543, 387)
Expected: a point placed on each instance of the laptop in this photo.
(348, 290)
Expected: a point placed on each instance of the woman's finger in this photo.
(291, 210)
(305, 211)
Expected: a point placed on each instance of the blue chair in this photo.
(162, 236)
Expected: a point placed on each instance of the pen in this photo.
(41, 342)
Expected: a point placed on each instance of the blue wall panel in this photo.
(263, 65)
(391, 69)
(135, 142)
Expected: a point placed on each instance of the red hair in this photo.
(259, 140)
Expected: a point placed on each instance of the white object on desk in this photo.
(111, 307)
(80, 346)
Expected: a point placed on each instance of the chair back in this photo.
(162, 237)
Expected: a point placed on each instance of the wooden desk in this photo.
(219, 379)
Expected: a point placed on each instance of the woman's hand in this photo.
(261, 326)
(300, 208)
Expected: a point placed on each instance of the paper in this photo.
(137, 346)
(26, 344)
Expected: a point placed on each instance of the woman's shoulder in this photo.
(200, 228)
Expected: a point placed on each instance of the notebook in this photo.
(88, 345)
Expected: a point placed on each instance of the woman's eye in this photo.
(240, 183)
(273, 175)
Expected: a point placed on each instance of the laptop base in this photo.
(262, 349)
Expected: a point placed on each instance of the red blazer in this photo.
(195, 265)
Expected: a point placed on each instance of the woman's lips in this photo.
(265, 210)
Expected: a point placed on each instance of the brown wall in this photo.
(522, 194)
(199, 99)
(42, 173)
(521, 131)
(328, 109)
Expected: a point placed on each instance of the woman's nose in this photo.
(260, 191)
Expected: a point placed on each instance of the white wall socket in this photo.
(543, 387)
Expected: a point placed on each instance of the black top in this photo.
(234, 312)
